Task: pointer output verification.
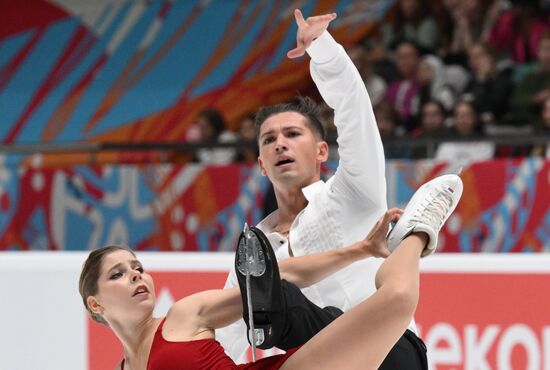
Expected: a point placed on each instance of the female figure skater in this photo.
(120, 294)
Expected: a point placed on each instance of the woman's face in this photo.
(465, 118)
(478, 57)
(125, 290)
(432, 117)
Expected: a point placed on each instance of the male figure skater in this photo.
(314, 215)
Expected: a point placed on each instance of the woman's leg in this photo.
(363, 336)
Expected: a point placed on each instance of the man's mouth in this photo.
(284, 161)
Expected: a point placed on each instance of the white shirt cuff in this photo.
(323, 49)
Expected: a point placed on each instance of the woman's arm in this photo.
(214, 309)
(304, 271)
(206, 310)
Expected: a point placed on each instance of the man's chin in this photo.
(291, 179)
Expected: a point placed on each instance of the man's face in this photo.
(290, 153)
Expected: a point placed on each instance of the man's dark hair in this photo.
(303, 105)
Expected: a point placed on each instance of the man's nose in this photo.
(280, 144)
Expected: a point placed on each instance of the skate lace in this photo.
(434, 211)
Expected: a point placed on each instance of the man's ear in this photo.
(93, 305)
(262, 169)
(322, 151)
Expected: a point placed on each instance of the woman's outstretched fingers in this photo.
(391, 215)
(396, 214)
(375, 242)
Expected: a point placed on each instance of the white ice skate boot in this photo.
(427, 211)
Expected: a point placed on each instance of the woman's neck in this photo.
(136, 339)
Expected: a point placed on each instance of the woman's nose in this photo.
(136, 276)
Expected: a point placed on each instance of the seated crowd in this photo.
(453, 73)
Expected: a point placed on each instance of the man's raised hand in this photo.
(308, 30)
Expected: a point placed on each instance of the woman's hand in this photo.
(375, 243)
(308, 30)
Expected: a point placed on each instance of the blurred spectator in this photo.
(466, 125)
(386, 119)
(433, 116)
(433, 82)
(466, 119)
(534, 87)
(543, 127)
(413, 22)
(471, 21)
(247, 134)
(211, 127)
(518, 30)
(489, 87)
(433, 119)
(403, 93)
(376, 86)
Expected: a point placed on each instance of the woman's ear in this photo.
(93, 305)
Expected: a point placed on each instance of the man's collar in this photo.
(268, 223)
(313, 189)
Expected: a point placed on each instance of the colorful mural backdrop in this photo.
(140, 70)
(505, 206)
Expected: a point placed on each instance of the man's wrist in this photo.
(323, 48)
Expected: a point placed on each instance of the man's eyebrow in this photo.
(284, 128)
(267, 133)
(292, 127)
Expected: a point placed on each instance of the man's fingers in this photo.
(300, 21)
(296, 52)
(326, 17)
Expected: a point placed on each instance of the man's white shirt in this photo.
(341, 210)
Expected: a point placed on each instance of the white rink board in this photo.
(43, 322)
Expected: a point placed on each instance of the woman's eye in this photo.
(116, 275)
(140, 269)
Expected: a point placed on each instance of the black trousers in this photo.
(304, 319)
